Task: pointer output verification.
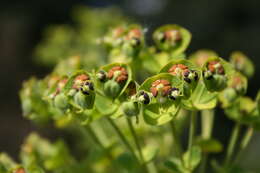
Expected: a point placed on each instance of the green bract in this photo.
(172, 38)
(215, 73)
(237, 86)
(201, 99)
(186, 72)
(111, 87)
(161, 109)
(80, 90)
(201, 56)
(242, 63)
(243, 111)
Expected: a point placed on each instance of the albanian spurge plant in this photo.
(128, 108)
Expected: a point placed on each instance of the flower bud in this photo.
(144, 97)
(130, 108)
(61, 102)
(214, 75)
(172, 38)
(87, 87)
(186, 72)
(112, 88)
(242, 63)
(115, 37)
(174, 93)
(200, 57)
(102, 76)
(84, 101)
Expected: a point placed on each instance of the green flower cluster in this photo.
(157, 85)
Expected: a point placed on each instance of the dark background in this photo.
(221, 25)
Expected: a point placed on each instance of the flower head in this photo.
(118, 73)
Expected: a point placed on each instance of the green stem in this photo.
(244, 143)
(122, 137)
(203, 164)
(232, 143)
(191, 132)
(138, 146)
(94, 137)
(207, 119)
(207, 122)
(176, 141)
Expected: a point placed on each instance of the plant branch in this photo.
(192, 132)
(232, 143)
(244, 143)
(138, 146)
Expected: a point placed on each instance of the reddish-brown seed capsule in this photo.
(134, 33)
(213, 69)
(172, 35)
(20, 170)
(165, 88)
(79, 81)
(122, 77)
(117, 32)
(173, 70)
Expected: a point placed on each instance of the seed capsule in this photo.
(130, 108)
(160, 85)
(19, 170)
(118, 73)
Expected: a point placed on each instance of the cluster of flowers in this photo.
(177, 82)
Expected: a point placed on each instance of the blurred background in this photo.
(221, 25)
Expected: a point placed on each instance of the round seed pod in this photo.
(84, 101)
(61, 101)
(130, 108)
(112, 88)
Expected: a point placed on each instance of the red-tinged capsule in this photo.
(119, 73)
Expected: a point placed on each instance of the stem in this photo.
(203, 164)
(191, 132)
(94, 137)
(176, 141)
(138, 146)
(207, 119)
(232, 143)
(207, 122)
(122, 137)
(244, 143)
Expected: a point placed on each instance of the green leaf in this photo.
(192, 158)
(175, 165)
(149, 153)
(209, 145)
